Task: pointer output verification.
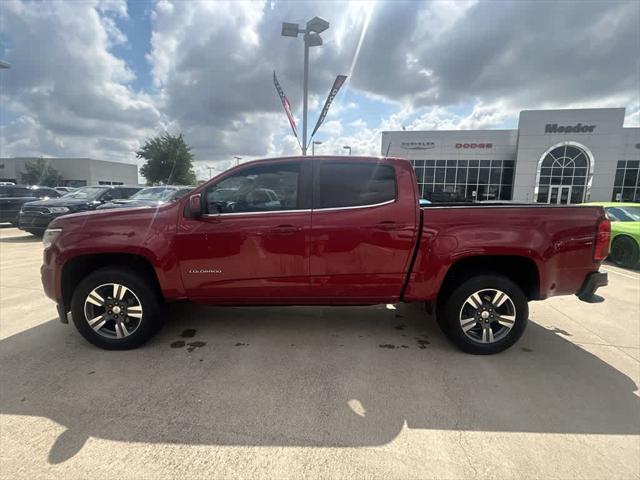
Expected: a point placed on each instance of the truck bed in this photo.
(558, 250)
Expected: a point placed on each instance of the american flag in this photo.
(286, 105)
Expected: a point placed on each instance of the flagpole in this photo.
(304, 97)
(312, 38)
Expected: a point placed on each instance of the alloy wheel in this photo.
(113, 310)
(487, 316)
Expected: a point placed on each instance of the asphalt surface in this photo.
(373, 392)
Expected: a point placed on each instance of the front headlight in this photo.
(50, 235)
(58, 209)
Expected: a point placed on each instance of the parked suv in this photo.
(149, 197)
(35, 216)
(12, 197)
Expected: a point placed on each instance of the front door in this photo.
(560, 194)
(251, 245)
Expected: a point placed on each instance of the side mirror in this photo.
(195, 206)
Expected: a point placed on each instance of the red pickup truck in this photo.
(321, 231)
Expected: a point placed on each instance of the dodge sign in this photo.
(474, 145)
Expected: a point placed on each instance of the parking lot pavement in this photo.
(296, 392)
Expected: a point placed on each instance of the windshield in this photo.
(624, 214)
(154, 193)
(85, 193)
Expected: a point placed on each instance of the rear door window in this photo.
(354, 184)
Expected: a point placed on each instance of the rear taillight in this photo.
(603, 236)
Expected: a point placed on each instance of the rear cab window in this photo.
(354, 184)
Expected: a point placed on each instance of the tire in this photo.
(36, 233)
(624, 252)
(120, 320)
(493, 326)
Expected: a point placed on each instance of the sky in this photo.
(95, 78)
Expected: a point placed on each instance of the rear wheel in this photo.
(116, 309)
(624, 252)
(485, 314)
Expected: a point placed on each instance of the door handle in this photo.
(287, 229)
(388, 225)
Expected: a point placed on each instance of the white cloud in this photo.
(70, 94)
(211, 65)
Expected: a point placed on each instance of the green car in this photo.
(625, 232)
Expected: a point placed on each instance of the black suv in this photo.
(35, 216)
(12, 197)
(150, 197)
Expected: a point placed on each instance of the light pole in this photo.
(313, 147)
(210, 168)
(312, 38)
(347, 147)
(237, 160)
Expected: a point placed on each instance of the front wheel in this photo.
(624, 252)
(485, 314)
(116, 309)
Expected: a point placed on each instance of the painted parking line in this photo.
(619, 272)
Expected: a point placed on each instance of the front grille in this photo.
(28, 208)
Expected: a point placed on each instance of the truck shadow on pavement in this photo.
(297, 376)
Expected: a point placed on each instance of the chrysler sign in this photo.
(578, 128)
(418, 145)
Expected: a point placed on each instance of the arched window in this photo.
(564, 172)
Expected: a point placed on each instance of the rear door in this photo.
(363, 230)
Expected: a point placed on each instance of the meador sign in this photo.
(578, 128)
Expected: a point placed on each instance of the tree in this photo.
(168, 160)
(40, 172)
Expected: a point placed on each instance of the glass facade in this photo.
(626, 186)
(563, 175)
(464, 180)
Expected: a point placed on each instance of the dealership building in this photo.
(76, 172)
(554, 156)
